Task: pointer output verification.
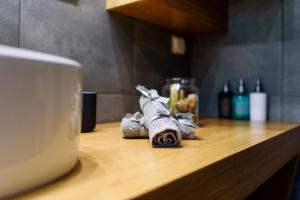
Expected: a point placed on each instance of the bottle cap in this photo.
(241, 88)
(258, 87)
(226, 87)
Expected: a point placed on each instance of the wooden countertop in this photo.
(229, 160)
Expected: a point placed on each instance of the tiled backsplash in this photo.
(116, 51)
(263, 40)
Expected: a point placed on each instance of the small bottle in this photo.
(241, 103)
(258, 104)
(225, 101)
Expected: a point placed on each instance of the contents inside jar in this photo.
(180, 102)
(183, 95)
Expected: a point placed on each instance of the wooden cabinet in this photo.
(191, 17)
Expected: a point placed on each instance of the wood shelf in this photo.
(191, 17)
(228, 160)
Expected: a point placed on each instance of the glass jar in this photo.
(183, 95)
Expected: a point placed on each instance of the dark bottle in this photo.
(225, 101)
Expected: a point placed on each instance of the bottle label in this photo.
(241, 108)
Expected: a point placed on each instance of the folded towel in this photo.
(162, 130)
(132, 126)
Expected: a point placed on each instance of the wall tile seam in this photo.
(272, 96)
(291, 96)
(114, 95)
(20, 21)
(110, 93)
(134, 58)
(282, 59)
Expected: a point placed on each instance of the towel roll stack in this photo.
(163, 128)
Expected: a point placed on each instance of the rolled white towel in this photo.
(162, 130)
(132, 126)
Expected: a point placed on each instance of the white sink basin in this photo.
(40, 114)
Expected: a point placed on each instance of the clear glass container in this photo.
(183, 95)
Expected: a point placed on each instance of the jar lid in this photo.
(180, 80)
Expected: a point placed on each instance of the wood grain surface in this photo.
(229, 160)
(192, 17)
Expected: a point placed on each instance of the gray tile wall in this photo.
(153, 59)
(263, 40)
(116, 52)
(9, 22)
(291, 61)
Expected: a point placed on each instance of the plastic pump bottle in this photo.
(258, 104)
(241, 103)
